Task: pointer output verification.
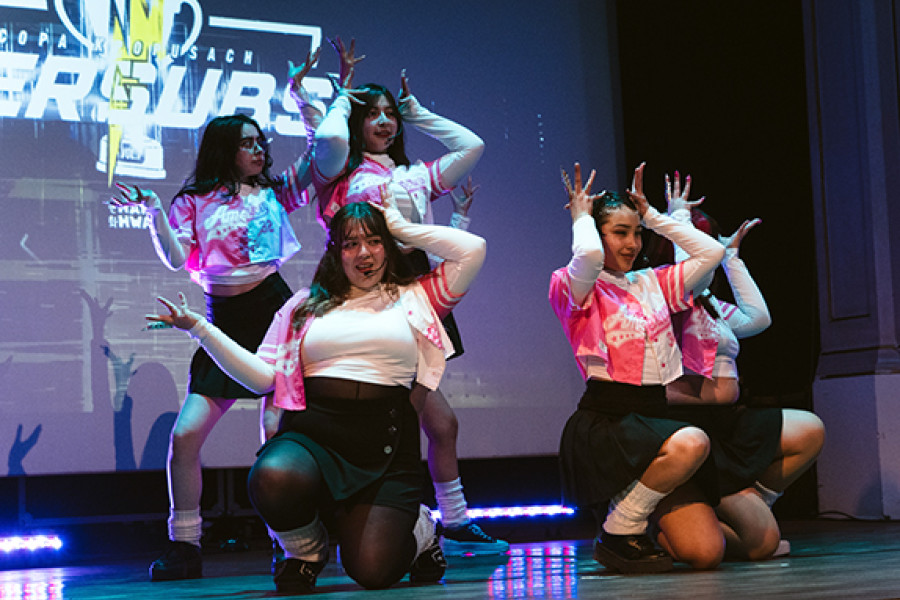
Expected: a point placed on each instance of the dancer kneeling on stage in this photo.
(359, 147)
(341, 359)
(758, 450)
(618, 447)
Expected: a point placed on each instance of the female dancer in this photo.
(228, 227)
(359, 147)
(341, 359)
(758, 451)
(618, 446)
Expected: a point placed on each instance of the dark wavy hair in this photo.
(330, 286)
(215, 165)
(358, 112)
(608, 202)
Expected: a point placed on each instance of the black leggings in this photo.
(287, 489)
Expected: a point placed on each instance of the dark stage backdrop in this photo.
(83, 388)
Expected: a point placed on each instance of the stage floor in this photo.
(829, 559)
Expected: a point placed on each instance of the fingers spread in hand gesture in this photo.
(131, 194)
(180, 316)
(580, 199)
(677, 197)
(636, 192)
(296, 73)
(735, 239)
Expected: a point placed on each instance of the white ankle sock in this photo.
(185, 526)
(451, 502)
(309, 543)
(628, 515)
(423, 530)
(769, 496)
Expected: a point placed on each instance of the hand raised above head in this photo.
(296, 73)
(735, 239)
(636, 192)
(580, 199)
(348, 58)
(677, 197)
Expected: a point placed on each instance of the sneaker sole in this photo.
(454, 548)
(613, 561)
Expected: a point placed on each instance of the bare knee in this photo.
(704, 558)
(690, 444)
(804, 432)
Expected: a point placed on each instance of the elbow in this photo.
(479, 252)
(718, 254)
(477, 148)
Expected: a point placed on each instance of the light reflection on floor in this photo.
(32, 584)
(538, 571)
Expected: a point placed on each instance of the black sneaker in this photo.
(430, 565)
(295, 576)
(180, 561)
(277, 555)
(630, 554)
(470, 540)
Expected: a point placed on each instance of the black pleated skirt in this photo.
(611, 439)
(245, 318)
(744, 439)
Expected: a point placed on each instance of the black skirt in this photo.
(744, 439)
(611, 439)
(365, 439)
(245, 318)
(420, 264)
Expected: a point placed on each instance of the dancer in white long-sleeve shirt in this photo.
(340, 359)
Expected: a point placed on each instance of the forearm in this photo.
(465, 147)
(241, 365)
(587, 257)
(462, 252)
(332, 139)
(752, 316)
(168, 248)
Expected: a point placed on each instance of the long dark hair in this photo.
(216, 158)
(605, 204)
(358, 113)
(330, 286)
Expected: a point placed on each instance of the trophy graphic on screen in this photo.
(136, 40)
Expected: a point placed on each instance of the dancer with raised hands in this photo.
(228, 227)
(341, 359)
(618, 450)
(359, 147)
(758, 450)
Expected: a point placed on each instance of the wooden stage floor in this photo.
(829, 560)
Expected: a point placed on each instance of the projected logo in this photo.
(135, 35)
(140, 67)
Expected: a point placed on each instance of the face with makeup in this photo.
(251, 155)
(621, 236)
(379, 126)
(362, 257)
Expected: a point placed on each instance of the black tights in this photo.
(377, 544)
